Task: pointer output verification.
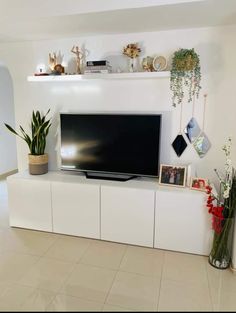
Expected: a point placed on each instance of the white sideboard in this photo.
(138, 211)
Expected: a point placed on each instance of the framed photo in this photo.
(173, 175)
(198, 183)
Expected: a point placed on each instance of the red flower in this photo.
(210, 198)
(208, 188)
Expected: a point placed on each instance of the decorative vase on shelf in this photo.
(132, 51)
(221, 252)
(132, 65)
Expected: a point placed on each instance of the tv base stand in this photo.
(108, 176)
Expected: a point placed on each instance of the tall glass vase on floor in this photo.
(221, 252)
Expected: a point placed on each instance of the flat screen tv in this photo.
(126, 144)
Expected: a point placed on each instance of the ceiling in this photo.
(22, 20)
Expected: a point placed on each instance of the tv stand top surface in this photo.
(80, 178)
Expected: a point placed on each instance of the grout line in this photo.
(117, 271)
(159, 293)
(83, 253)
(209, 289)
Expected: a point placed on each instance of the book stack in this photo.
(102, 66)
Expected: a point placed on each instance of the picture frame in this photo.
(198, 183)
(172, 175)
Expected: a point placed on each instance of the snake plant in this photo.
(39, 131)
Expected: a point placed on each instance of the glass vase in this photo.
(132, 65)
(221, 252)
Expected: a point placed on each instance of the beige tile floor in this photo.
(48, 272)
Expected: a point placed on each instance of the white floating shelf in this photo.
(69, 78)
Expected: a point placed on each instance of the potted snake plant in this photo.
(38, 159)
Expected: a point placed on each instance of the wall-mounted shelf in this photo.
(69, 78)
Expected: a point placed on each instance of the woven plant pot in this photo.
(187, 64)
(38, 164)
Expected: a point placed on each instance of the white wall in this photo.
(216, 47)
(8, 160)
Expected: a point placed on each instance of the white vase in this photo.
(131, 65)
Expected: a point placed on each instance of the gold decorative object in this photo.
(52, 60)
(132, 51)
(55, 63)
(147, 64)
(159, 63)
(79, 56)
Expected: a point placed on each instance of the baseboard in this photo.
(4, 176)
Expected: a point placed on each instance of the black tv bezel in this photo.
(115, 172)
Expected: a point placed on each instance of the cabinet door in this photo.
(76, 209)
(182, 221)
(127, 215)
(30, 204)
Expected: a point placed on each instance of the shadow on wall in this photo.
(8, 158)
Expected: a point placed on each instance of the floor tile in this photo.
(104, 254)
(13, 297)
(222, 284)
(14, 265)
(143, 261)
(63, 303)
(226, 301)
(27, 241)
(113, 308)
(134, 291)
(89, 282)
(47, 274)
(180, 296)
(37, 300)
(69, 249)
(185, 268)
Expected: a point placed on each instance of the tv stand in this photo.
(109, 176)
(137, 212)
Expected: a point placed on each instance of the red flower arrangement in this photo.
(216, 211)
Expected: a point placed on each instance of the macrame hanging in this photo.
(179, 144)
(202, 143)
(192, 129)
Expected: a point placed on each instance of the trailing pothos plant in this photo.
(36, 141)
(185, 73)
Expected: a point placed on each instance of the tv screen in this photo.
(112, 143)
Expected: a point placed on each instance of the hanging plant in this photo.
(185, 72)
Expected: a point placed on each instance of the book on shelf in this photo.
(97, 71)
(97, 63)
(97, 67)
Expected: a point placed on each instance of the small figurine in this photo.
(79, 56)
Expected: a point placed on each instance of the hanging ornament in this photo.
(179, 144)
(202, 144)
(192, 129)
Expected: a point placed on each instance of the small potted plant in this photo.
(186, 71)
(38, 159)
